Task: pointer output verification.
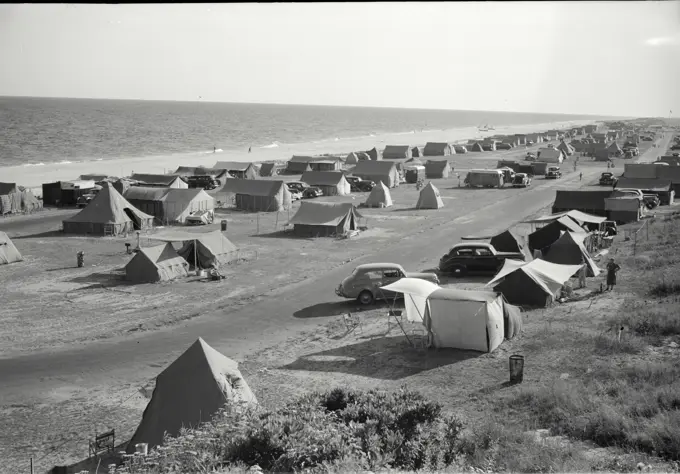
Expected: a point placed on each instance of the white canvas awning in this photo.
(415, 293)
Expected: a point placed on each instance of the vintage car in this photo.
(312, 192)
(359, 185)
(201, 218)
(521, 180)
(365, 282)
(475, 257)
(608, 179)
(553, 172)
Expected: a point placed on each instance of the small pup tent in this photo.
(509, 241)
(380, 196)
(211, 249)
(323, 219)
(435, 169)
(108, 213)
(190, 392)
(570, 250)
(429, 198)
(549, 234)
(158, 263)
(536, 283)
(8, 252)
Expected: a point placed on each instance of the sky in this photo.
(602, 58)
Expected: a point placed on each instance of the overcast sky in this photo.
(613, 58)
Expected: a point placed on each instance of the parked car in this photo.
(521, 180)
(553, 172)
(359, 185)
(201, 218)
(475, 257)
(530, 156)
(205, 182)
(651, 201)
(85, 199)
(365, 281)
(608, 179)
(295, 195)
(312, 192)
(503, 146)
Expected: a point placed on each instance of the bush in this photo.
(340, 429)
(663, 288)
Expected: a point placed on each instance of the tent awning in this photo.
(177, 236)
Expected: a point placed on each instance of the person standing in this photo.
(582, 273)
(580, 176)
(612, 269)
(249, 149)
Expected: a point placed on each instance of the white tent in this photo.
(415, 293)
(429, 198)
(380, 196)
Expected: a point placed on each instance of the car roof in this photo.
(378, 266)
(472, 244)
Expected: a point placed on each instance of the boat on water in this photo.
(485, 128)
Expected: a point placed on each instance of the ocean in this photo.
(41, 131)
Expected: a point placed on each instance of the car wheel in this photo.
(365, 298)
(458, 271)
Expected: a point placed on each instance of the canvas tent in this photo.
(269, 169)
(476, 146)
(460, 149)
(147, 199)
(661, 187)
(579, 217)
(257, 195)
(590, 202)
(374, 154)
(209, 249)
(509, 241)
(437, 149)
(238, 169)
(15, 199)
(178, 204)
(380, 196)
(352, 159)
(429, 198)
(190, 392)
(160, 180)
(297, 165)
(639, 170)
(8, 252)
(623, 209)
(435, 169)
(385, 171)
(323, 219)
(566, 148)
(415, 152)
(550, 155)
(569, 249)
(332, 183)
(396, 152)
(536, 283)
(157, 263)
(614, 149)
(108, 213)
(549, 234)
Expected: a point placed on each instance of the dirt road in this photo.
(265, 320)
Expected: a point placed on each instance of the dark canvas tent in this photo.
(590, 202)
(550, 155)
(476, 146)
(147, 199)
(190, 392)
(161, 180)
(158, 263)
(661, 187)
(200, 171)
(614, 149)
(396, 152)
(352, 159)
(415, 152)
(269, 169)
(8, 252)
(332, 183)
(237, 169)
(385, 171)
(437, 149)
(569, 249)
(437, 169)
(510, 241)
(257, 195)
(108, 213)
(211, 249)
(566, 148)
(374, 154)
(323, 219)
(549, 234)
(537, 283)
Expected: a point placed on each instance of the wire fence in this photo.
(638, 234)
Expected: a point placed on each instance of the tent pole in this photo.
(195, 256)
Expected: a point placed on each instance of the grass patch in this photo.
(664, 288)
(610, 345)
(655, 321)
(636, 407)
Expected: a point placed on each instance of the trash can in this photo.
(223, 225)
(516, 369)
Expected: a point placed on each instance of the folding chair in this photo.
(394, 319)
(352, 322)
(418, 336)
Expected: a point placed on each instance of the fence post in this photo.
(635, 244)
(647, 229)
(258, 223)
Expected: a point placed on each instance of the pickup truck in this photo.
(365, 281)
(475, 257)
(521, 180)
(608, 179)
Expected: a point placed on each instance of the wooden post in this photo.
(31, 464)
(258, 223)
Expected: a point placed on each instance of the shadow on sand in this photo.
(102, 280)
(386, 358)
(322, 310)
(92, 464)
(49, 233)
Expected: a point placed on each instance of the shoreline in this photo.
(33, 176)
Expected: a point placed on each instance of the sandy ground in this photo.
(34, 176)
(52, 306)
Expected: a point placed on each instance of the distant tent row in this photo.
(324, 219)
(654, 171)
(257, 195)
(169, 205)
(108, 213)
(8, 252)
(200, 171)
(300, 164)
(14, 199)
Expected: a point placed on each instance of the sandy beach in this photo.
(34, 176)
